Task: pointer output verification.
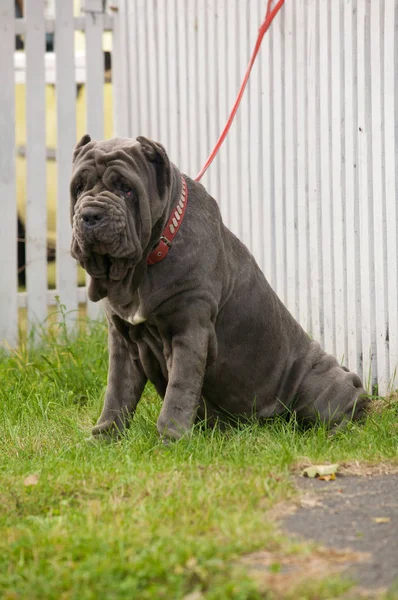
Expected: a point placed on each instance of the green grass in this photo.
(136, 518)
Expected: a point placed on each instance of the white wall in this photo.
(307, 175)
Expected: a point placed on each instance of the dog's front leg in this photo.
(186, 364)
(126, 382)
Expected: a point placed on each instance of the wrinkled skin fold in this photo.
(203, 325)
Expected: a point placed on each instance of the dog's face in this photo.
(118, 190)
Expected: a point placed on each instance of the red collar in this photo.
(170, 231)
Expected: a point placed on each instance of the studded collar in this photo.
(170, 231)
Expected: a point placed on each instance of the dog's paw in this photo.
(106, 431)
(170, 430)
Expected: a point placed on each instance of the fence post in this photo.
(120, 71)
(378, 214)
(36, 205)
(364, 179)
(8, 221)
(94, 91)
(66, 140)
(391, 180)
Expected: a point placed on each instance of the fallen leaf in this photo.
(31, 480)
(320, 470)
(330, 477)
(381, 519)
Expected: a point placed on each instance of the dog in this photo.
(187, 306)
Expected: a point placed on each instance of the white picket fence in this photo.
(307, 175)
(35, 68)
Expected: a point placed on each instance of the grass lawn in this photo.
(136, 518)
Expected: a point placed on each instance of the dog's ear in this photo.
(157, 155)
(83, 142)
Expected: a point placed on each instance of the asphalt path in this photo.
(359, 513)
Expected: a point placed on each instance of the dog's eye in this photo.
(78, 189)
(129, 194)
(124, 188)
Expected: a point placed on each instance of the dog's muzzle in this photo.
(100, 225)
(99, 217)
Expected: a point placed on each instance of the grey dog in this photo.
(201, 323)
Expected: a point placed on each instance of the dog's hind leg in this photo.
(330, 393)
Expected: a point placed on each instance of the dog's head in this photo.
(119, 192)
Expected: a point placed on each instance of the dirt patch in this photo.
(355, 514)
(285, 573)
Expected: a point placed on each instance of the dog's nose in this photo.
(91, 215)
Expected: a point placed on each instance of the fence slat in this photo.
(94, 69)
(244, 191)
(378, 198)
(173, 144)
(66, 140)
(8, 221)
(140, 39)
(183, 44)
(52, 296)
(314, 199)
(363, 100)
(213, 126)
(266, 180)
(153, 53)
(162, 73)
(278, 199)
(79, 23)
(203, 89)
(329, 335)
(337, 187)
(95, 91)
(36, 205)
(232, 141)
(132, 50)
(213, 175)
(121, 74)
(255, 139)
(301, 78)
(223, 108)
(352, 257)
(290, 159)
(391, 180)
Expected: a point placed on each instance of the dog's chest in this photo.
(137, 317)
(134, 316)
(133, 313)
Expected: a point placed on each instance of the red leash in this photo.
(175, 220)
(269, 17)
